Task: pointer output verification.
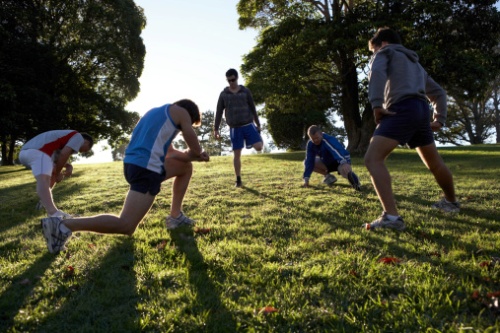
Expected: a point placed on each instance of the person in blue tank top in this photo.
(149, 160)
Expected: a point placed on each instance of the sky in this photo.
(189, 47)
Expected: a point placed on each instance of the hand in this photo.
(379, 113)
(68, 170)
(216, 135)
(204, 157)
(258, 128)
(436, 126)
(59, 178)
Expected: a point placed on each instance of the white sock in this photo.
(392, 217)
(64, 229)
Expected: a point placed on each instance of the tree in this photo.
(311, 51)
(205, 134)
(68, 65)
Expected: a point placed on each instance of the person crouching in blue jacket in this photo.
(324, 154)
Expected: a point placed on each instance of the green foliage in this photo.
(69, 65)
(205, 135)
(270, 243)
(313, 52)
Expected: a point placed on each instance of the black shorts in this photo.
(410, 125)
(142, 180)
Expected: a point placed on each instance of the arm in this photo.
(194, 152)
(337, 150)
(253, 109)
(308, 163)
(437, 97)
(218, 115)
(62, 162)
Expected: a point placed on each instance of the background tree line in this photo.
(68, 64)
(311, 60)
(76, 65)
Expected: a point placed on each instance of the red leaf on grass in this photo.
(389, 260)
(267, 310)
(475, 294)
(493, 294)
(484, 264)
(70, 272)
(353, 273)
(162, 245)
(201, 231)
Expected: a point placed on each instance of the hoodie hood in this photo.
(391, 48)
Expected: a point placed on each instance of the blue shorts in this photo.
(142, 180)
(247, 135)
(410, 125)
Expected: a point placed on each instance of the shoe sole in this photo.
(368, 226)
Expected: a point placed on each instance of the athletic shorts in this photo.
(142, 180)
(39, 162)
(244, 136)
(410, 125)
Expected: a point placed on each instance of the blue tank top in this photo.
(151, 138)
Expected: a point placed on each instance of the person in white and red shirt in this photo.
(47, 155)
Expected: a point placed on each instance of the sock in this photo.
(452, 202)
(392, 217)
(238, 178)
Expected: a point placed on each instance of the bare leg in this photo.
(258, 146)
(442, 174)
(45, 194)
(237, 162)
(320, 167)
(182, 172)
(134, 209)
(380, 147)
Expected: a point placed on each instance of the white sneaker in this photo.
(56, 239)
(329, 179)
(62, 215)
(173, 222)
(448, 207)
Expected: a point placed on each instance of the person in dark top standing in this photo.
(241, 116)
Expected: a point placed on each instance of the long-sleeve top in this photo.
(239, 108)
(395, 75)
(329, 150)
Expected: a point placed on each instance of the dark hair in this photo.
(192, 109)
(89, 139)
(231, 72)
(384, 34)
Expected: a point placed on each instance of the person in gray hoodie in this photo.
(399, 92)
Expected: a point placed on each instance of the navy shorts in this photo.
(410, 125)
(247, 135)
(142, 180)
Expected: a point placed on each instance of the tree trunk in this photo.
(359, 128)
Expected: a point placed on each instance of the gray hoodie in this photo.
(395, 75)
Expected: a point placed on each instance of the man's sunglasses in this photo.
(231, 80)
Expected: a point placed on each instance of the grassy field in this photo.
(277, 257)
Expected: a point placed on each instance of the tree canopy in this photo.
(69, 64)
(312, 55)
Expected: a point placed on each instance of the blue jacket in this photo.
(330, 150)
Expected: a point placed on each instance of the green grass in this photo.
(271, 243)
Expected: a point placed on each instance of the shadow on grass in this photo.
(13, 298)
(105, 297)
(220, 319)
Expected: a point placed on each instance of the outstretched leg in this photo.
(442, 174)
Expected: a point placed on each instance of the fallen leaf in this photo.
(267, 310)
(70, 272)
(389, 260)
(162, 245)
(202, 231)
(493, 294)
(91, 246)
(475, 294)
(484, 264)
(353, 273)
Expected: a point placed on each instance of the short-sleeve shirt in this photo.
(50, 141)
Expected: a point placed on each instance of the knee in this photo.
(258, 146)
(128, 228)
